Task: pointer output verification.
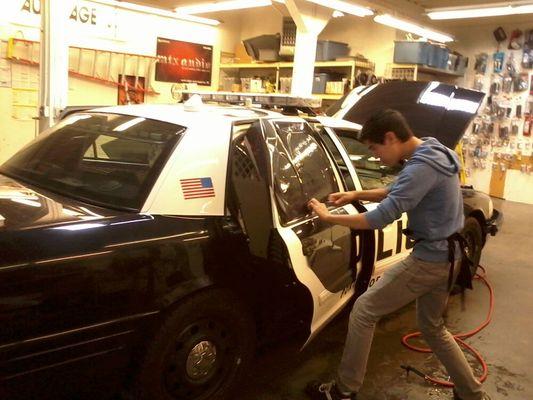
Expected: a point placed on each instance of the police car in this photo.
(165, 242)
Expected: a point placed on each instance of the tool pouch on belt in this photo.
(464, 277)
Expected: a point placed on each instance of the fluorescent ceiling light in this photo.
(337, 14)
(406, 26)
(345, 7)
(157, 11)
(493, 10)
(222, 6)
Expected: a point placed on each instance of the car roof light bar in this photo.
(251, 99)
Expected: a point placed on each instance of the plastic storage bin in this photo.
(452, 62)
(328, 50)
(462, 63)
(409, 52)
(438, 57)
(319, 82)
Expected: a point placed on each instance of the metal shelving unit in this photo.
(348, 67)
(413, 72)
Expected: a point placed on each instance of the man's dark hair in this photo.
(382, 122)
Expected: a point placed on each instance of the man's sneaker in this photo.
(456, 396)
(327, 391)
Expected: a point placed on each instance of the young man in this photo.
(427, 189)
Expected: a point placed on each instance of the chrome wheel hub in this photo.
(201, 360)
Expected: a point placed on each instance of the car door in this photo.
(324, 257)
(362, 171)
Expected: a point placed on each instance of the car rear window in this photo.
(104, 159)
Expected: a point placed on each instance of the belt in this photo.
(464, 277)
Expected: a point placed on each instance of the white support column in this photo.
(310, 20)
(53, 70)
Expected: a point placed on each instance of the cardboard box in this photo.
(241, 56)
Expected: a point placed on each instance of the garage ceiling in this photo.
(416, 9)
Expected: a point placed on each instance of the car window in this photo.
(302, 170)
(371, 172)
(336, 155)
(104, 159)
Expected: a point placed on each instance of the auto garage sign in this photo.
(83, 17)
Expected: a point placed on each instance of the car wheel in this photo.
(474, 242)
(201, 350)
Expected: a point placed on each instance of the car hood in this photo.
(23, 206)
(432, 109)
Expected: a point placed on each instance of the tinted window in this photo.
(105, 159)
(302, 170)
(371, 172)
(336, 155)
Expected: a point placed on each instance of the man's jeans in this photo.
(408, 280)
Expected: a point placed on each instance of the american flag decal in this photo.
(197, 188)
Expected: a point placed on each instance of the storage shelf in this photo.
(438, 71)
(327, 96)
(320, 64)
(322, 96)
(428, 70)
(348, 68)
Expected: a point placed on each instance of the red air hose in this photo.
(459, 339)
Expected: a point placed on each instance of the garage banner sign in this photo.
(83, 17)
(183, 62)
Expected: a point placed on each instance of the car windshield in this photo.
(372, 173)
(104, 159)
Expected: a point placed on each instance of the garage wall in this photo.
(117, 30)
(511, 184)
(372, 40)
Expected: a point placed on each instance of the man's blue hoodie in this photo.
(427, 189)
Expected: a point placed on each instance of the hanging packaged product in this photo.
(515, 41)
(498, 58)
(481, 63)
(511, 65)
(515, 126)
(496, 85)
(504, 131)
(507, 85)
(527, 125)
(478, 82)
(521, 82)
(527, 55)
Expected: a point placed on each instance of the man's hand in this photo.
(319, 208)
(342, 198)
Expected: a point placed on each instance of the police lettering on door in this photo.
(382, 253)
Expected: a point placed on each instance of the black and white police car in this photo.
(164, 242)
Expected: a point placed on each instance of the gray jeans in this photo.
(410, 279)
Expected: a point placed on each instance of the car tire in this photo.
(200, 351)
(474, 242)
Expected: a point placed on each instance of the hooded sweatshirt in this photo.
(428, 190)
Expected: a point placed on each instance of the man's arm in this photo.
(375, 195)
(342, 198)
(357, 221)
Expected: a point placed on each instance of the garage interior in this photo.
(106, 53)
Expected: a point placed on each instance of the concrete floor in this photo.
(281, 372)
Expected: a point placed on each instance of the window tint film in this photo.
(335, 153)
(302, 170)
(105, 159)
